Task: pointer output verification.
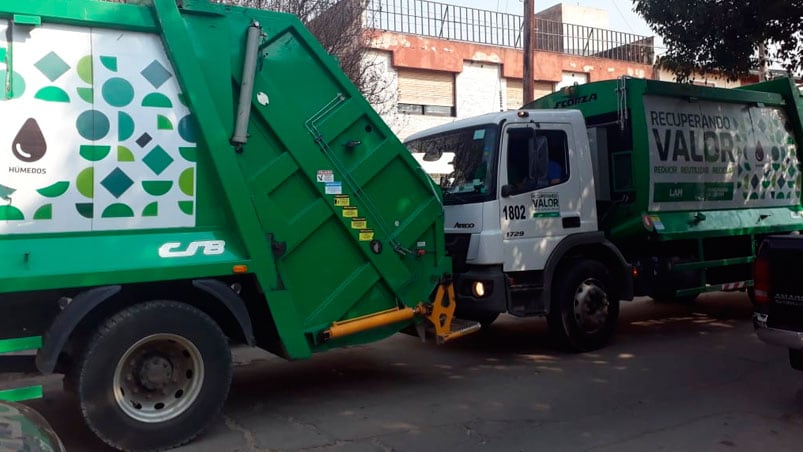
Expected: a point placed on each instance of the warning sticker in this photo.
(350, 212)
(358, 223)
(333, 188)
(325, 176)
(342, 201)
(657, 223)
(366, 235)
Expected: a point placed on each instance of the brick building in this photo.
(443, 62)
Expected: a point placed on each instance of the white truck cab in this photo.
(521, 221)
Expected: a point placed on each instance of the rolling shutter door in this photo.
(515, 91)
(420, 87)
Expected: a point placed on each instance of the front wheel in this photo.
(583, 312)
(153, 376)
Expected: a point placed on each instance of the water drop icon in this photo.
(29, 145)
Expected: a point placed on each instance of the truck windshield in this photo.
(461, 161)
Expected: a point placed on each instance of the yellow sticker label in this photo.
(350, 212)
(342, 201)
(366, 235)
(358, 223)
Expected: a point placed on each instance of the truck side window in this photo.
(537, 160)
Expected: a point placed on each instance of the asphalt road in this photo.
(677, 378)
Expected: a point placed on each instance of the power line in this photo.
(622, 16)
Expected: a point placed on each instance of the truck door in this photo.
(540, 202)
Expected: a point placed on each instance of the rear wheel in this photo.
(153, 376)
(583, 311)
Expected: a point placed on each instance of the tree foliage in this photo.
(338, 26)
(724, 35)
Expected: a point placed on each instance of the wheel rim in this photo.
(590, 306)
(158, 378)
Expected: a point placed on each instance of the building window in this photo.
(423, 92)
(429, 110)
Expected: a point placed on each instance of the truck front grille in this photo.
(457, 249)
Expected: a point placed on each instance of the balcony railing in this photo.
(460, 23)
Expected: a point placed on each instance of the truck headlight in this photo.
(478, 288)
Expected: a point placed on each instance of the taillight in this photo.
(761, 278)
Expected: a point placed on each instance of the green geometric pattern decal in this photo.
(85, 182)
(117, 182)
(157, 100)
(186, 207)
(163, 123)
(117, 211)
(151, 210)
(85, 209)
(118, 92)
(157, 187)
(87, 93)
(85, 69)
(109, 62)
(156, 74)
(186, 128)
(94, 153)
(52, 94)
(92, 125)
(125, 126)
(186, 181)
(124, 154)
(52, 66)
(158, 160)
(55, 190)
(44, 213)
(189, 154)
(11, 213)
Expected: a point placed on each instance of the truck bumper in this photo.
(792, 340)
(494, 286)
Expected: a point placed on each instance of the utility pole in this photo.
(763, 66)
(529, 15)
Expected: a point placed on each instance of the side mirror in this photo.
(508, 190)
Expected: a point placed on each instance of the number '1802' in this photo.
(515, 212)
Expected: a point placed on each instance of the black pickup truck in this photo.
(778, 294)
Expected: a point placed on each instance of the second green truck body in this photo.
(692, 175)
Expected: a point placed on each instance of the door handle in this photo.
(571, 222)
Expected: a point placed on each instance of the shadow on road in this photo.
(400, 366)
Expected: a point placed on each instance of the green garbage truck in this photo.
(181, 176)
(610, 190)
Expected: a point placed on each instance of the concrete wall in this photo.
(441, 55)
(709, 79)
(574, 14)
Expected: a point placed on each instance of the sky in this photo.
(620, 12)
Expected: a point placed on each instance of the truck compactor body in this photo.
(179, 176)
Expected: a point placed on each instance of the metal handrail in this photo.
(460, 23)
